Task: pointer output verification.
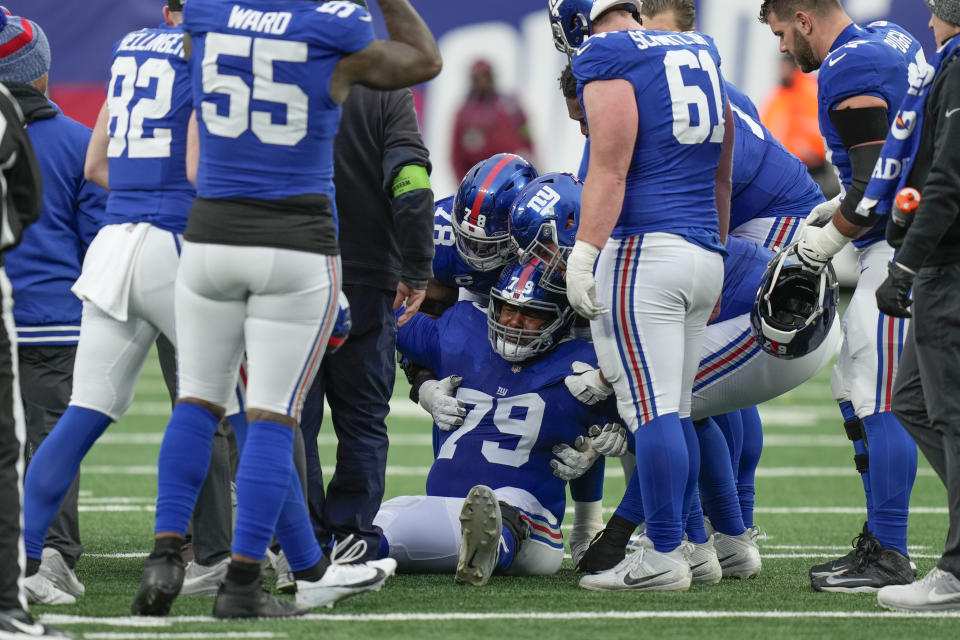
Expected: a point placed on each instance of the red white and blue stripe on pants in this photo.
(632, 357)
(782, 232)
(890, 332)
(720, 364)
(542, 530)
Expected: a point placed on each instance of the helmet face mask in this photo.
(544, 220)
(519, 292)
(481, 210)
(794, 309)
(572, 20)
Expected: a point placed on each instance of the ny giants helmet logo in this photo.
(545, 199)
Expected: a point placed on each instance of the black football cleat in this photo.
(864, 543)
(159, 585)
(874, 567)
(251, 601)
(17, 624)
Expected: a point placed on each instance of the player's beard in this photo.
(803, 53)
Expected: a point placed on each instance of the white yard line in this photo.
(130, 438)
(138, 554)
(59, 619)
(814, 556)
(182, 636)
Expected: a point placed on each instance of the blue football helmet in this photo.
(481, 210)
(341, 328)
(519, 290)
(795, 308)
(572, 20)
(544, 220)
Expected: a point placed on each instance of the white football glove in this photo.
(611, 440)
(581, 285)
(823, 213)
(573, 462)
(436, 396)
(818, 245)
(587, 384)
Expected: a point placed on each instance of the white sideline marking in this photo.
(421, 472)
(59, 619)
(819, 511)
(181, 636)
(138, 554)
(399, 407)
(818, 547)
(815, 556)
(88, 499)
(116, 508)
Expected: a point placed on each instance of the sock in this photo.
(33, 566)
(243, 573)
(314, 572)
(508, 548)
(695, 527)
(294, 529)
(166, 547)
(384, 550)
(731, 426)
(717, 482)
(263, 481)
(52, 470)
(893, 468)
(619, 530)
(860, 448)
(631, 505)
(663, 466)
(749, 460)
(691, 493)
(183, 464)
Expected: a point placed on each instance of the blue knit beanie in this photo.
(24, 50)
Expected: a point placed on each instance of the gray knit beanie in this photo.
(946, 10)
(24, 50)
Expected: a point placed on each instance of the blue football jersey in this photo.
(743, 269)
(515, 414)
(448, 266)
(875, 60)
(680, 98)
(149, 102)
(768, 180)
(261, 74)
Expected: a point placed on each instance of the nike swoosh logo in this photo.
(838, 580)
(951, 112)
(837, 59)
(937, 597)
(697, 566)
(725, 558)
(630, 581)
(31, 629)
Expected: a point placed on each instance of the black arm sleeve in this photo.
(863, 132)
(24, 183)
(940, 204)
(412, 207)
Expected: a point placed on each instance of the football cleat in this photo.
(862, 544)
(481, 526)
(17, 624)
(251, 601)
(739, 556)
(201, 580)
(40, 590)
(341, 581)
(159, 585)
(646, 569)
(939, 590)
(607, 549)
(285, 580)
(874, 567)
(704, 563)
(56, 570)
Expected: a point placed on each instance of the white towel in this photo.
(108, 268)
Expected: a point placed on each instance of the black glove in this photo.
(895, 233)
(893, 296)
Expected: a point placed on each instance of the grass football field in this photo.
(809, 503)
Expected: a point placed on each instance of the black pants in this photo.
(12, 439)
(926, 396)
(357, 381)
(46, 382)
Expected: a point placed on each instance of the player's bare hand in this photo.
(413, 299)
(437, 397)
(581, 285)
(587, 384)
(609, 440)
(573, 462)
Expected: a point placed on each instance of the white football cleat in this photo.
(340, 581)
(646, 569)
(56, 570)
(40, 590)
(939, 590)
(739, 556)
(703, 561)
(201, 580)
(481, 527)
